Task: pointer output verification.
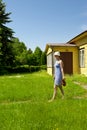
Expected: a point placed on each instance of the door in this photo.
(67, 58)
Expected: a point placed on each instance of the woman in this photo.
(58, 75)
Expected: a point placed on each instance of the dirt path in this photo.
(83, 86)
(15, 102)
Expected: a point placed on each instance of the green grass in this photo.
(24, 103)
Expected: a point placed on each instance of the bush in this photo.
(21, 69)
(43, 67)
(24, 69)
(3, 70)
(34, 68)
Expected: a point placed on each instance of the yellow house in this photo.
(73, 54)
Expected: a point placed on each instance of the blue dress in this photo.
(57, 74)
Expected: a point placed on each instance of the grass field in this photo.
(24, 103)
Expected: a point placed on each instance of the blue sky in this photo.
(38, 22)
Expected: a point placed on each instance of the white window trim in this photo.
(82, 57)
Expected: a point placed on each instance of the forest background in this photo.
(14, 55)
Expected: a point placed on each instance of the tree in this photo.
(6, 54)
(31, 59)
(43, 58)
(20, 52)
(29, 51)
(38, 53)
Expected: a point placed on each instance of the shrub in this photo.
(21, 69)
(43, 67)
(24, 69)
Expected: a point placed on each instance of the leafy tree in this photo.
(38, 53)
(6, 54)
(18, 46)
(22, 58)
(43, 58)
(29, 51)
(20, 52)
(31, 59)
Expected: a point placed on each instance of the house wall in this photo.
(49, 50)
(81, 41)
(73, 49)
(84, 70)
(49, 71)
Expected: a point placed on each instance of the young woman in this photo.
(58, 75)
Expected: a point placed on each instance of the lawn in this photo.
(24, 103)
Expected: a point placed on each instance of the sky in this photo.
(38, 22)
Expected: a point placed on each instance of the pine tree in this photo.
(6, 33)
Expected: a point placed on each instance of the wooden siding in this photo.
(49, 71)
(73, 46)
(84, 69)
(75, 57)
(49, 50)
(81, 41)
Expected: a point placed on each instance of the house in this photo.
(73, 54)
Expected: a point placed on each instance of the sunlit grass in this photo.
(24, 103)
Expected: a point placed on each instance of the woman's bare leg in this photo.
(54, 93)
(61, 89)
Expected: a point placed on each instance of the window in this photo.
(82, 61)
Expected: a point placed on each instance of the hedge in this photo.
(21, 69)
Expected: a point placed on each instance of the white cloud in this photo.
(84, 27)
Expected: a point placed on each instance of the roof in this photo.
(58, 45)
(81, 35)
(69, 43)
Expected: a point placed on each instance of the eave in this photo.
(51, 45)
(78, 37)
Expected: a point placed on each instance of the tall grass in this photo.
(24, 103)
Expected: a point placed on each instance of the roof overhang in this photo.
(51, 45)
(78, 37)
(67, 44)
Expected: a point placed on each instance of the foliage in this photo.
(38, 53)
(24, 69)
(20, 52)
(43, 58)
(31, 59)
(29, 51)
(21, 69)
(13, 52)
(24, 56)
(43, 67)
(6, 54)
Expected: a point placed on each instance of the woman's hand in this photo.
(63, 82)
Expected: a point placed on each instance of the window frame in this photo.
(82, 57)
